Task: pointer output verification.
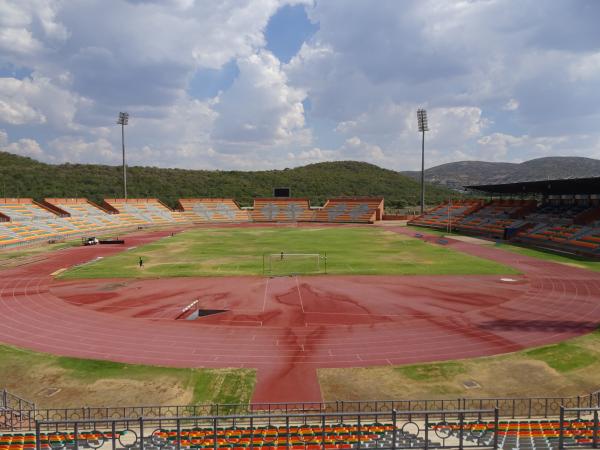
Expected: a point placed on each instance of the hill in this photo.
(25, 177)
(458, 174)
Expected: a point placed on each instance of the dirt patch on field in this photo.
(472, 240)
(160, 390)
(53, 382)
(53, 387)
(515, 375)
(112, 286)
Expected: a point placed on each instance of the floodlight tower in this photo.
(423, 127)
(124, 120)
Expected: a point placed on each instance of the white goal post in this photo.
(294, 263)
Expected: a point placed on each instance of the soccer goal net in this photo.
(294, 263)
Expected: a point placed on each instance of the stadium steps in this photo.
(350, 210)
(281, 210)
(213, 210)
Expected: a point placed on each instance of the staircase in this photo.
(15, 412)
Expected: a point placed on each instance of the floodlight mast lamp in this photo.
(124, 120)
(423, 127)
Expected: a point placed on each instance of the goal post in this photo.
(294, 263)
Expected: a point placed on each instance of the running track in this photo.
(288, 327)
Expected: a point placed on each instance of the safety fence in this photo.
(579, 425)
(22, 415)
(318, 431)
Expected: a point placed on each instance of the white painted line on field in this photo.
(264, 306)
(299, 294)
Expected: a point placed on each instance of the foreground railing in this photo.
(15, 412)
(542, 407)
(22, 414)
(582, 432)
(319, 431)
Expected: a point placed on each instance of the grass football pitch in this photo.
(239, 251)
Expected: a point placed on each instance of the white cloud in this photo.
(511, 105)
(272, 111)
(69, 148)
(26, 24)
(23, 147)
(500, 80)
(14, 106)
(585, 67)
(36, 101)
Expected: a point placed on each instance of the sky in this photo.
(265, 84)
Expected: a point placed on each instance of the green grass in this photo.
(534, 253)
(560, 370)
(549, 256)
(32, 371)
(564, 357)
(238, 251)
(432, 372)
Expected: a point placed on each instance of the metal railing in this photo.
(575, 433)
(317, 431)
(15, 412)
(509, 408)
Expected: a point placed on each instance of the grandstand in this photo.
(141, 211)
(213, 210)
(26, 221)
(560, 215)
(84, 215)
(447, 213)
(351, 210)
(282, 210)
(493, 218)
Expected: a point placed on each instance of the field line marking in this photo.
(265, 296)
(299, 294)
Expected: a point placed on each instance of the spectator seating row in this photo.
(493, 218)
(24, 210)
(353, 210)
(556, 225)
(447, 213)
(514, 434)
(85, 215)
(282, 210)
(531, 435)
(209, 210)
(297, 437)
(141, 211)
(27, 221)
(553, 225)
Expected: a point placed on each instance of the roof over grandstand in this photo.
(564, 186)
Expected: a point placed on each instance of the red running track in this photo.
(288, 327)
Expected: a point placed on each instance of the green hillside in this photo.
(455, 175)
(25, 177)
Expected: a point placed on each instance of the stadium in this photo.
(223, 226)
(287, 290)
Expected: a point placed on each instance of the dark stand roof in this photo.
(567, 186)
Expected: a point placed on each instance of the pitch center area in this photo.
(287, 327)
(350, 250)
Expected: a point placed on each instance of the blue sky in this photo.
(261, 84)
